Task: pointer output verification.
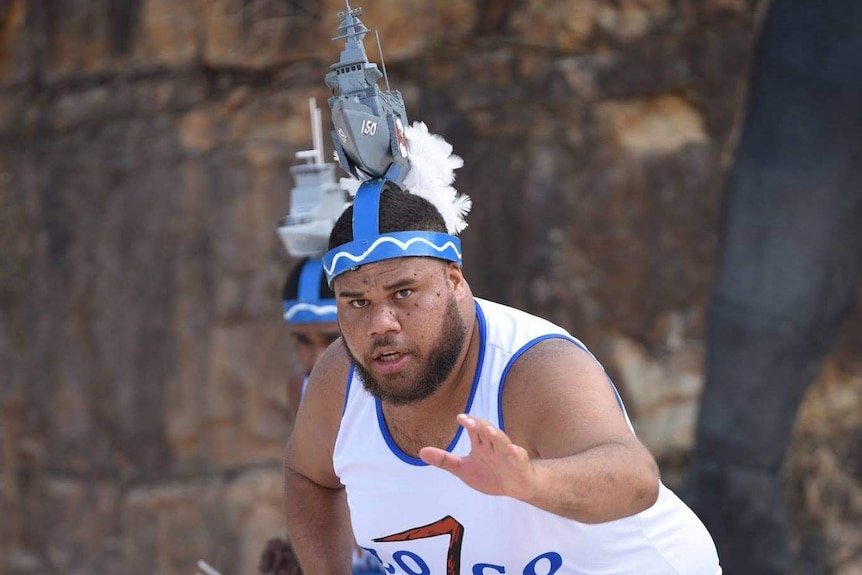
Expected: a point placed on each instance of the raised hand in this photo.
(495, 465)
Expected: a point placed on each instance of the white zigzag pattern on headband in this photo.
(386, 239)
(315, 309)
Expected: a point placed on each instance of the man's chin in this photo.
(393, 391)
(386, 387)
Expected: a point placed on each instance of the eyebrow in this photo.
(400, 284)
(394, 286)
(349, 294)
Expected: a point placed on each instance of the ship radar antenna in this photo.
(314, 156)
(350, 11)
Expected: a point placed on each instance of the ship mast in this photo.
(314, 156)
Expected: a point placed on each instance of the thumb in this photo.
(440, 458)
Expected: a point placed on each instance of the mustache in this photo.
(385, 341)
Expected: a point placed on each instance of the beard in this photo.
(434, 370)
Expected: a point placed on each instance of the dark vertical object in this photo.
(494, 16)
(790, 263)
(122, 16)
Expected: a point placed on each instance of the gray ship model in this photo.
(316, 200)
(368, 122)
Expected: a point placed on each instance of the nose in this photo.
(383, 320)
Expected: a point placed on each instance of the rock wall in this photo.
(144, 155)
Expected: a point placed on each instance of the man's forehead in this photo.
(386, 272)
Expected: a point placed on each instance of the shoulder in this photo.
(555, 365)
(312, 442)
(294, 393)
(510, 327)
(557, 399)
(328, 379)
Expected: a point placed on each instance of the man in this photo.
(440, 414)
(310, 313)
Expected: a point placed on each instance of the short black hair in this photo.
(290, 290)
(400, 211)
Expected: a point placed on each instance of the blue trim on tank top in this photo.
(347, 391)
(529, 345)
(381, 422)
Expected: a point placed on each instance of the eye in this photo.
(302, 339)
(403, 293)
(358, 303)
(330, 338)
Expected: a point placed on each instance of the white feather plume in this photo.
(432, 172)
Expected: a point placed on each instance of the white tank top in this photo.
(418, 519)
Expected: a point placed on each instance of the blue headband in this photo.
(369, 245)
(310, 307)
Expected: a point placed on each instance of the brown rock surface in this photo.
(144, 155)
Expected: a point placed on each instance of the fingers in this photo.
(483, 435)
(495, 465)
(484, 438)
(472, 426)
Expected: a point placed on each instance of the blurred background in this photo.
(144, 156)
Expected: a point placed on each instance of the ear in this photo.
(455, 277)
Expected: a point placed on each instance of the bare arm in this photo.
(314, 500)
(567, 450)
(318, 524)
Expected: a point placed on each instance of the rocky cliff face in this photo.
(144, 155)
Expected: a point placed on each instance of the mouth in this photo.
(388, 356)
(390, 361)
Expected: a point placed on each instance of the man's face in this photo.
(311, 339)
(402, 325)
